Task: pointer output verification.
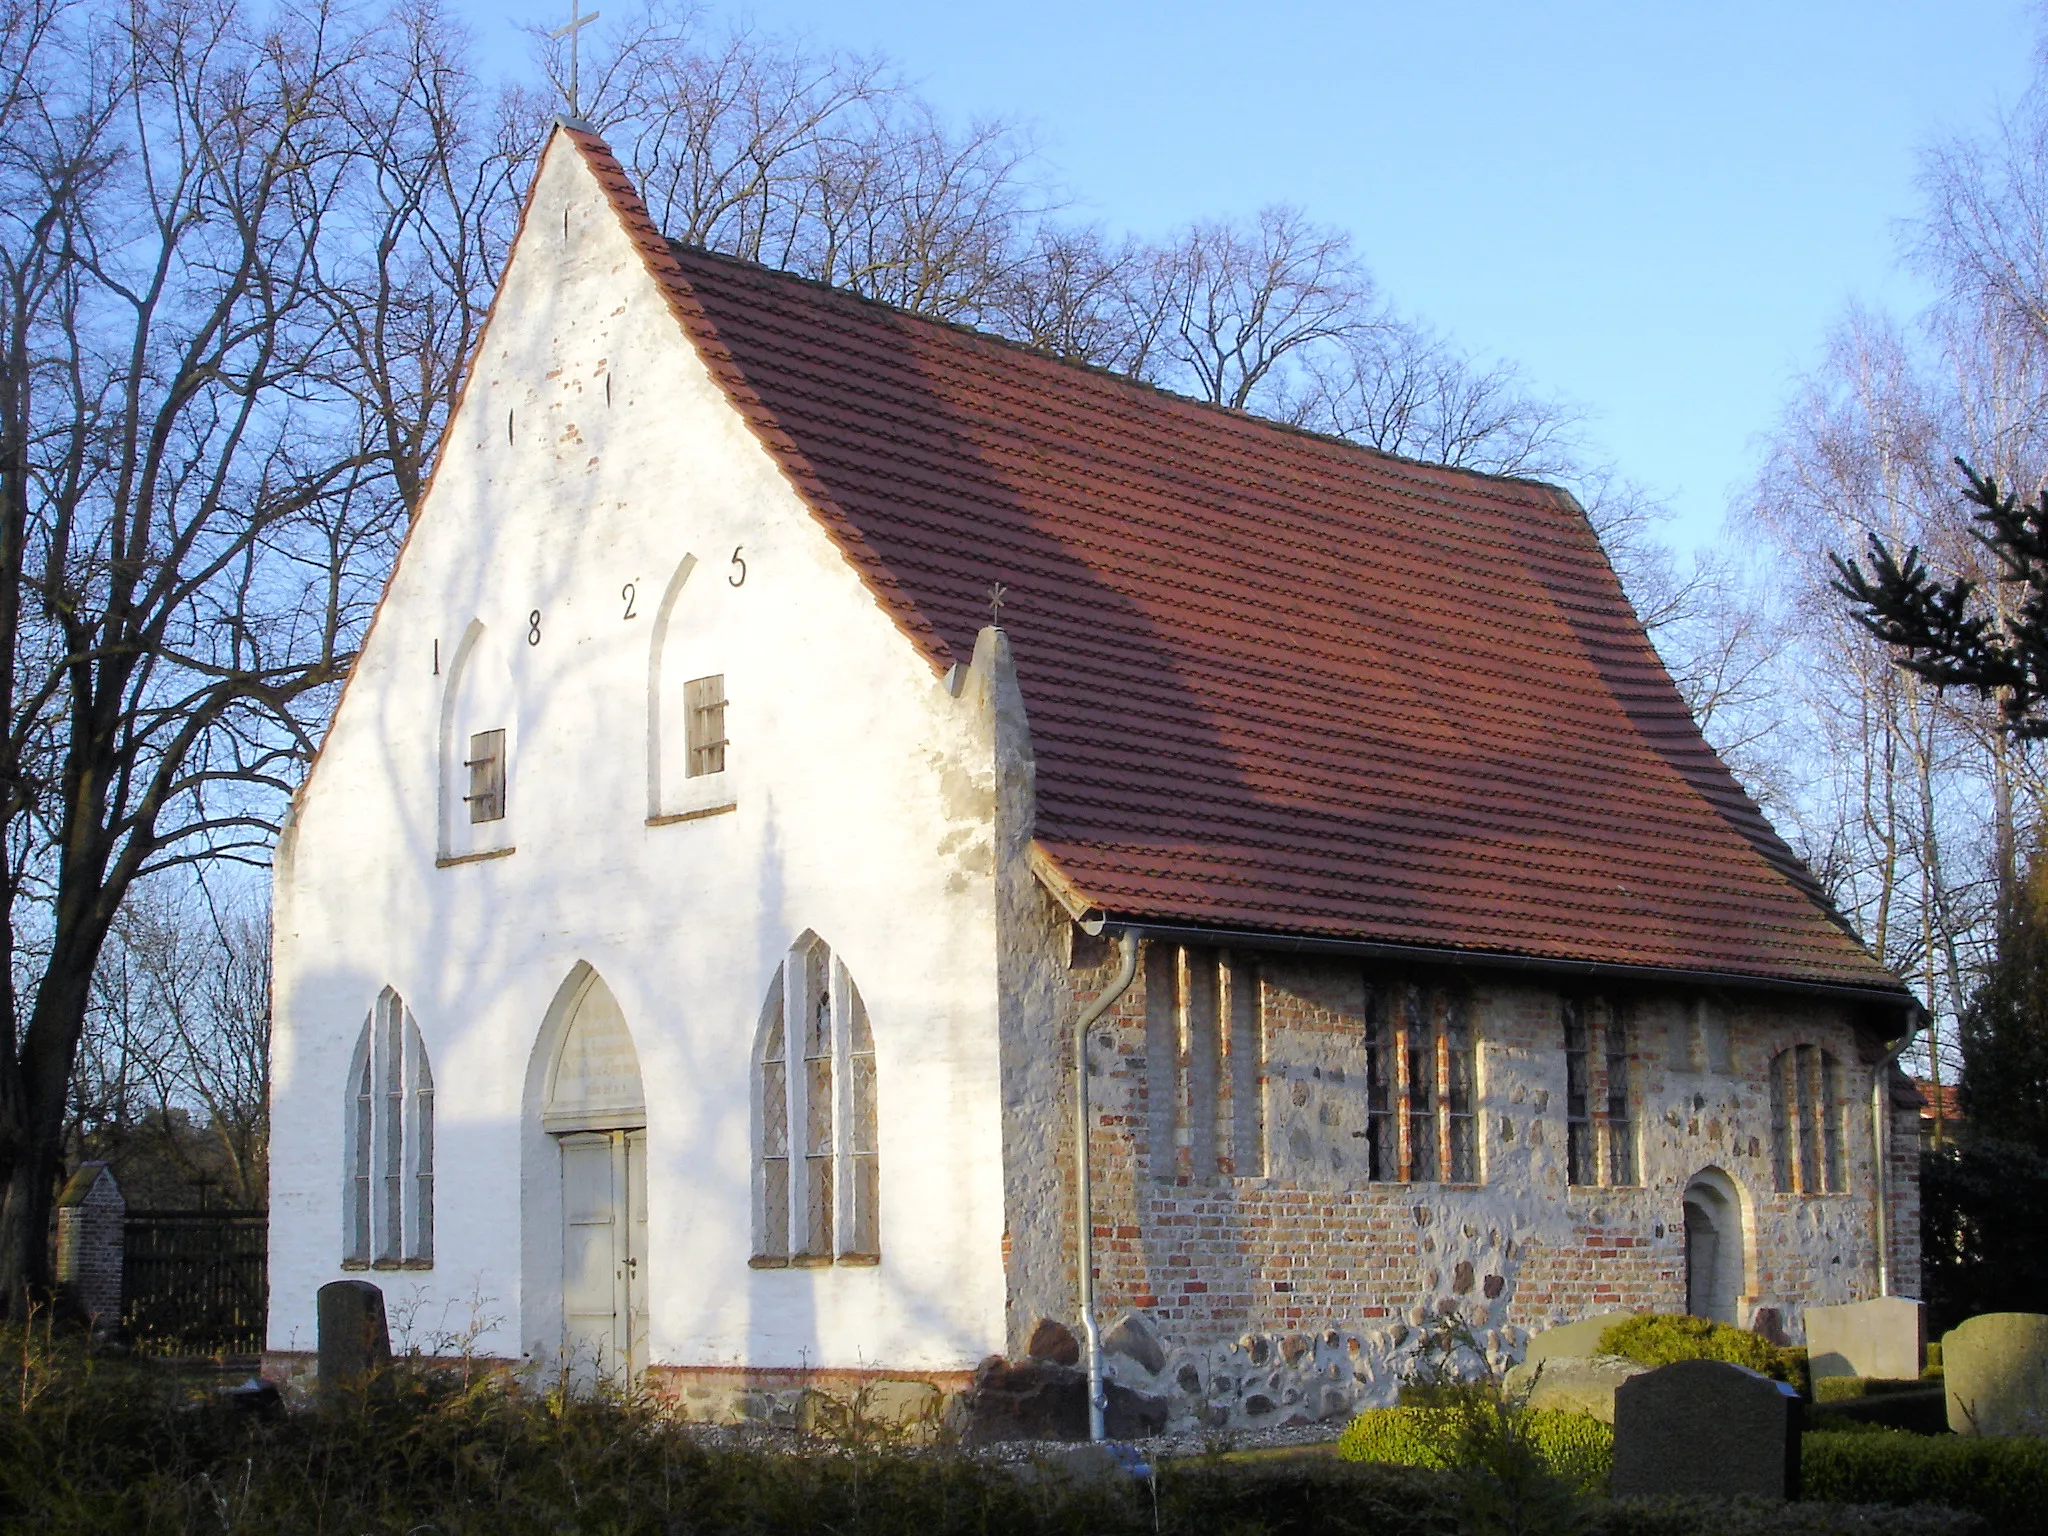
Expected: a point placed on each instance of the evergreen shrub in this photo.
(1661, 1338)
(2003, 1479)
(1576, 1447)
(1842, 1389)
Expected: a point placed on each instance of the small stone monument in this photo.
(1996, 1370)
(1706, 1427)
(355, 1344)
(1880, 1337)
(91, 1242)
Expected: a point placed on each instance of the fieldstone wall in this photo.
(1299, 1290)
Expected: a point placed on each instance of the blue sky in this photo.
(1657, 210)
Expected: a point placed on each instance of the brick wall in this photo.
(89, 1242)
(1302, 1285)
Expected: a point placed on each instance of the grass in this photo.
(89, 1446)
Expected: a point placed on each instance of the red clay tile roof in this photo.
(1275, 682)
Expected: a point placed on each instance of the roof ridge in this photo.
(1115, 376)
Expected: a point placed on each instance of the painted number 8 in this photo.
(533, 627)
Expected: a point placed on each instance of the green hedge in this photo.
(2003, 1479)
(1660, 1338)
(1726, 1517)
(1842, 1389)
(1575, 1446)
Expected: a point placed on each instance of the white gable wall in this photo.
(864, 812)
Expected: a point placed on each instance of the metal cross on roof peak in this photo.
(574, 32)
(996, 594)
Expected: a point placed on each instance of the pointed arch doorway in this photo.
(596, 1113)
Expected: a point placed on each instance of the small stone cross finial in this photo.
(574, 32)
(996, 594)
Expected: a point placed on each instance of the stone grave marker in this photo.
(1996, 1369)
(355, 1343)
(1880, 1337)
(1573, 1383)
(1706, 1427)
(1572, 1340)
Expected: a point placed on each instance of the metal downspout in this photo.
(1880, 1132)
(1084, 1190)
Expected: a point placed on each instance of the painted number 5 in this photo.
(738, 578)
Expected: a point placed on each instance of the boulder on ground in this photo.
(1028, 1400)
(1573, 1383)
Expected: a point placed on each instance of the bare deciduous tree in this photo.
(173, 1076)
(216, 263)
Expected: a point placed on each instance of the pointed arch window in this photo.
(817, 1154)
(1806, 1122)
(389, 1207)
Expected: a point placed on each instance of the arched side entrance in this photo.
(595, 1112)
(1715, 1251)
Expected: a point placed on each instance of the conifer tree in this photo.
(1944, 631)
(2004, 1034)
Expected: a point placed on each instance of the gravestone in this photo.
(1706, 1427)
(1573, 1383)
(1572, 1340)
(1996, 1369)
(355, 1344)
(1880, 1337)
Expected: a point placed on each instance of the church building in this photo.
(796, 732)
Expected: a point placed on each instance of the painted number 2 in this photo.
(738, 578)
(629, 592)
(533, 627)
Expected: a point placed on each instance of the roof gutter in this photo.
(1496, 960)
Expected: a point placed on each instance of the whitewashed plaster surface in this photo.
(593, 452)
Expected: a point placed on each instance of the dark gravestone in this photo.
(1705, 1427)
(355, 1344)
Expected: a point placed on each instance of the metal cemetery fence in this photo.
(196, 1282)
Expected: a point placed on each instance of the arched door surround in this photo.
(596, 1112)
(1716, 1248)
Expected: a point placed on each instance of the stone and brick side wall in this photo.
(1254, 1117)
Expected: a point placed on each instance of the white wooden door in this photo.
(604, 1248)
